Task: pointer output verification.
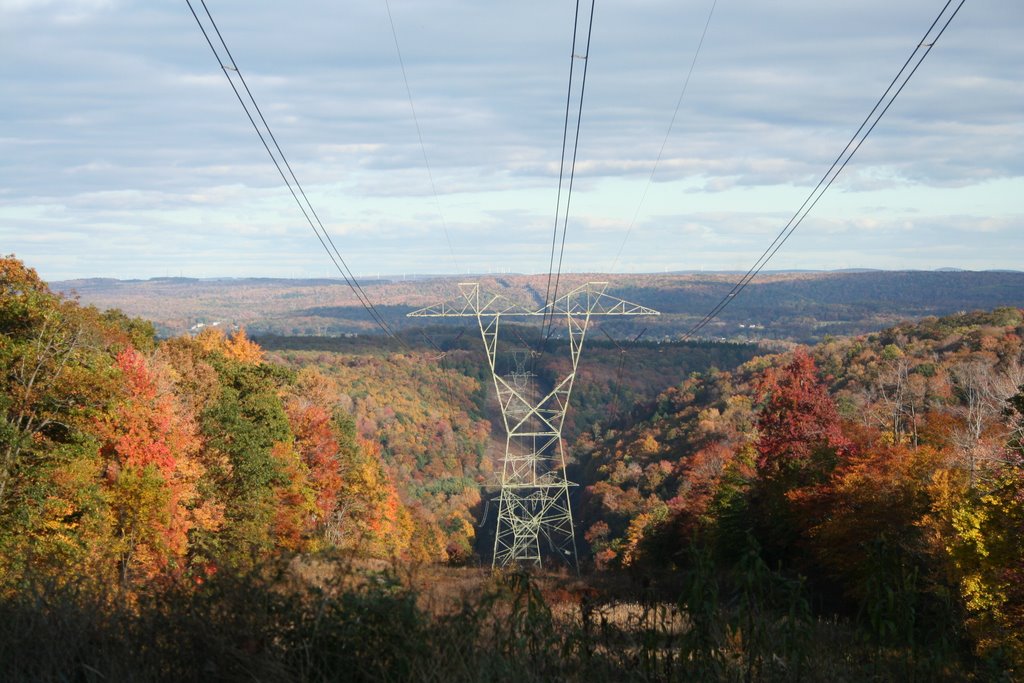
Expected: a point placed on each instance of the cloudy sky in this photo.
(124, 153)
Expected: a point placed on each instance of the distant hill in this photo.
(798, 306)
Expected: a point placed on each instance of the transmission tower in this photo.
(533, 499)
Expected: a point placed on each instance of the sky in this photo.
(124, 153)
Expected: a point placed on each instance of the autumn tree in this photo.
(800, 439)
(237, 346)
(97, 455)
(657, 480)
(242, 349)
(152, 473)
(800, 442)
(864, 531)
(295, 509)
(369, 517)
(901, 397)
(311, 416)
(56, 372)
(43, 343)
(983, 392)
(431, 445)
(978, 535)
(130, 461)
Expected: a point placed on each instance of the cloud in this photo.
(57, 11)
(128, 121)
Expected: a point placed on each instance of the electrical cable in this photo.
(572, 168)
(549, 300)
(643, 197)
(613, 409)
(664, 142)
(419, 135)
(561, 170)
(290, 179)
(437, 203)
(623, 350)
(442, 354)
(921, 51)
(349, 277)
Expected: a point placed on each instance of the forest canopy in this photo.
(879, 478)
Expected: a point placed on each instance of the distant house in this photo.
(199, 327)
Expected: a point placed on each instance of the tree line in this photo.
(877, 479)
(140, 462)
(886, 470)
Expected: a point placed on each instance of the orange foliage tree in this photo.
(56, 374)
(151, 448)
(316, 438)
(237, 346)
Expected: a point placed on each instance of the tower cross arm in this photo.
(590, 299)
(472, 303)
(444, 310)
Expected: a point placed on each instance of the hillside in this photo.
(850, 511)
(343, 442)
(916, 383)
(802, 307)
(612, 376)
(883, 465)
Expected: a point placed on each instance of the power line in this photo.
(903, 76)
(419, 135)
(444, 373)
(664, 142)
(623, 350)
(437, 203)
(561, 170)
(613, 409)
(289, 178)
(547, 319)
(575, 152)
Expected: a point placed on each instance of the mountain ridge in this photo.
(794, 306)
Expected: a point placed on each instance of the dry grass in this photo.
(334, 619)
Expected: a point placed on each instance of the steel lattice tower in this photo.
(533, 502)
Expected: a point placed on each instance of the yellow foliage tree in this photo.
(236, 347)
(239, 347)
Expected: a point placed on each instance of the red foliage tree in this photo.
(800, 442)
(800, 436)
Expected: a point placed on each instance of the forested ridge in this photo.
(798, 306)
(886, 470)
(131, 460)
(283, 512)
